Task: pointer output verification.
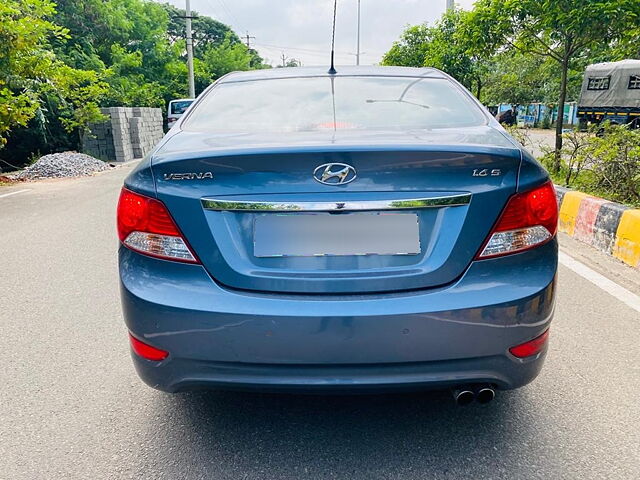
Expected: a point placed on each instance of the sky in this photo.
(301, 29)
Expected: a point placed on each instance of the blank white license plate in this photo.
(306, 235)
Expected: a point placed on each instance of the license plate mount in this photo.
(323, 234)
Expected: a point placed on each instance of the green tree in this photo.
(229, 56)
(443, 47)
(411, 49)
(627, 46)
(32, 77)
(207, 33)
(514, 78)
(126, 42)
(561, 30)
(54, 76)
(518, 78)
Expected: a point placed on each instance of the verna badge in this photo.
(334, 174)
(188, 176)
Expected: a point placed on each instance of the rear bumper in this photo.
(183, 375)
(414, 340)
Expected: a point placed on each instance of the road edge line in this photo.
(14, 193)
(612, 288)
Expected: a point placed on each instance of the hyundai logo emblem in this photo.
(334, 174)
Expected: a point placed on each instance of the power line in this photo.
(214, 10)
(315, 55)
(316, 58)
(308, 54)
(311, 50)
(230, 16)
(226, 9)
(281, 47)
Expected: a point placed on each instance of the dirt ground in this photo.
(538, 139)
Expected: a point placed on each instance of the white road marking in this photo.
(14, 193)
(612, 288)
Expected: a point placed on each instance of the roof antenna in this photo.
(332, 70)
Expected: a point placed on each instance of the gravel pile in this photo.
(66, 164)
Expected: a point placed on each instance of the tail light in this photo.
(532, 347)
(145, 225)
(530, 219)
(172, 119)
(146, 351)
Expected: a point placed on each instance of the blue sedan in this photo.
(369, 230)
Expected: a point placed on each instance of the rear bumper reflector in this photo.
(146, 351)
(532, 347)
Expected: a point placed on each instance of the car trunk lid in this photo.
(259, 219)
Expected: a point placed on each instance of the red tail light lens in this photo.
(530, 219)
(532, 347)
(145, 225)
(147, 351)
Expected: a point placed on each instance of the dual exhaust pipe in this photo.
(466, 395)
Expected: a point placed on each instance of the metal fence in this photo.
(540, 114)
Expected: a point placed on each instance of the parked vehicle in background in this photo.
(611, 91)
(508, 117)
(176, 110)
(370, 230)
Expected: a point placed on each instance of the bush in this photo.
(521, 135)
(615, 157)
(603, 161)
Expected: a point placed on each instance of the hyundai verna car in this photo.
(370, 230)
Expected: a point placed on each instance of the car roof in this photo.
(342, 71)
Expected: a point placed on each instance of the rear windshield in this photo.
(325, 103)
(178, 108)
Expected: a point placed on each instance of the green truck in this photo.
(611, 91)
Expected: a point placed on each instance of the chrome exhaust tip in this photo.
(485, 394)
(463, 396)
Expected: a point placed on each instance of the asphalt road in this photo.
(71, 405)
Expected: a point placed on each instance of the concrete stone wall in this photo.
(127, 134)
(610, 227)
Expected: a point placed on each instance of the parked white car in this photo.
(176, 110)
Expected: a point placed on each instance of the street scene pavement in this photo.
(71, 405)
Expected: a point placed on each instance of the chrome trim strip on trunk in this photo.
(347, 206)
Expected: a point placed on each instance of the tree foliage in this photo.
(411, 50)
(443, 47)
(207, 32)
(32, 78)
(59, 64)
(604, 161)
(524, 50)
(517, 78)
(561, 30)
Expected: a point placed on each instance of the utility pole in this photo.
(450, 5)
(284, 60)
(248, 39)
(192, 84)
(358, 46)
